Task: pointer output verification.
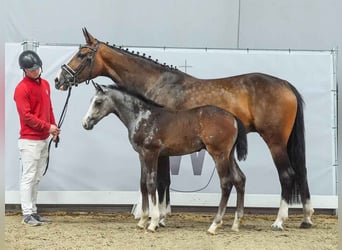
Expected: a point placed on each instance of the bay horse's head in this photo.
(100, 107)
(81, 67)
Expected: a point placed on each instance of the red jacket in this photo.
(34, 108)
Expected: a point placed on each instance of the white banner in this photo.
(103, 160)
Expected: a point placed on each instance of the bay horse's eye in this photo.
(81, 55)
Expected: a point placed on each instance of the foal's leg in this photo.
(239, 181)
(144, 203)
(226, 188)
(163, 179)
(151, 162)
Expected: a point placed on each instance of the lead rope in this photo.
(60, 122)
(195, 190)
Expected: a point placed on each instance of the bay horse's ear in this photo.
(88, 37)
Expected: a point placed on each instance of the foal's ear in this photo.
(100, 88)
(88, 37)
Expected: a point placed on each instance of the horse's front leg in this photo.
(150, 161)
(163, 188)
(155, 214)
(142, 224)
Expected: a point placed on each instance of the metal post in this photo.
(30, 45)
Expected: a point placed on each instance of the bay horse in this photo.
(265, 104)
(155, 131)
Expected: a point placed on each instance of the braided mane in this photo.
(139, 55)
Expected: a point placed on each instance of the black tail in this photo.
(296, 151)
(241, 141)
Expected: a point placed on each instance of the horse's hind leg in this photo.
(287, 180)
(307, 207)
(239, 181)
(293, 184)
(226, 188)
(217, 222)
(163, 180)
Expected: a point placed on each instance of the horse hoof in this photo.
(214, 226)
(162, 223)
(151, 229)
(277, 225)
(140, 226)
(211, 232)
(277, 228)
(235, 229)
(305, 225)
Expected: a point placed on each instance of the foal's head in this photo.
(101, 105)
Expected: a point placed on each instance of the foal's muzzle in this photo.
(88, 123)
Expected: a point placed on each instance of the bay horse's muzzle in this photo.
(61, 84)
(66, 78)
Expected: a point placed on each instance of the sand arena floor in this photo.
(184, 230)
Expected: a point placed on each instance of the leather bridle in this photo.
(71, 75)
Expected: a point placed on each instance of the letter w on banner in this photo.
(197, 160)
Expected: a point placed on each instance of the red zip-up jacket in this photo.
(34, 108)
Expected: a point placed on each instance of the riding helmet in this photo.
(30, 60)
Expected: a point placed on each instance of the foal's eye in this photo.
(98, 102)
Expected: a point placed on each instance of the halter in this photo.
(72, 74)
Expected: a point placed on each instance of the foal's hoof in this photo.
(151, 229)
(140, 226)
(277, 228)
(235, 228)
(305, 225)
(162, 223)
(211, 232)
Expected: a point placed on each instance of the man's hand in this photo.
(55, 138)
(54, 130)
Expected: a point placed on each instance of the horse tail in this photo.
(296, 150)
(241, 141)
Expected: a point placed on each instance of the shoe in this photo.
(40, 218)
(30, 221)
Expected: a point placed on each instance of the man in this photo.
(37, 123)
